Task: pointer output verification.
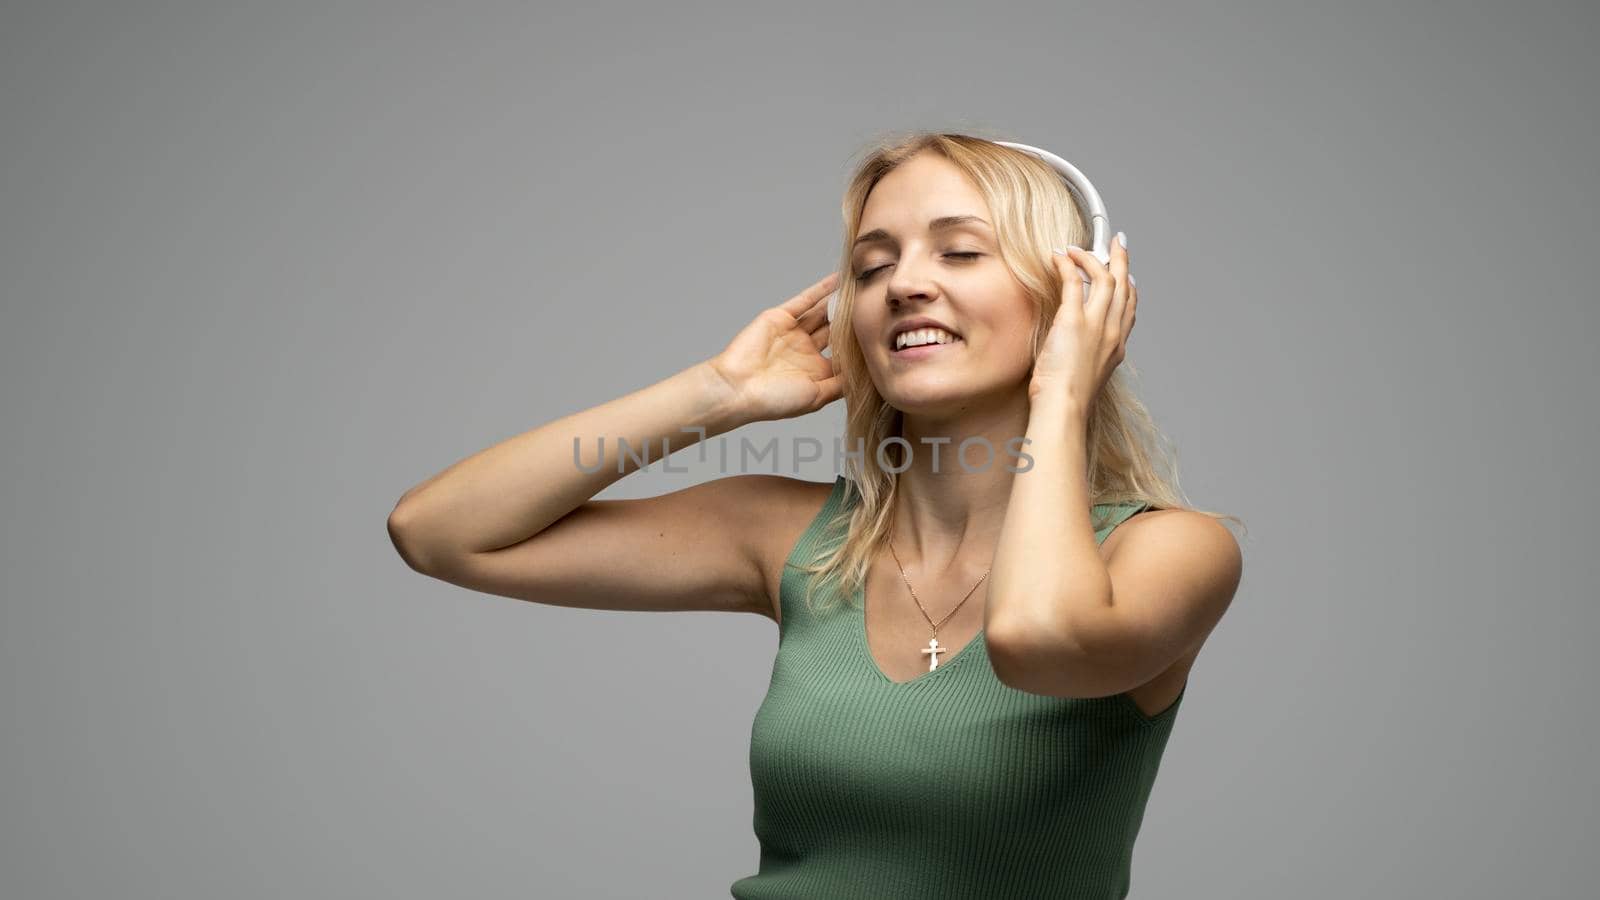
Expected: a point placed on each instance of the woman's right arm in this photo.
(517, 518)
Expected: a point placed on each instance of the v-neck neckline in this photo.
(972, 646)
(860, 627)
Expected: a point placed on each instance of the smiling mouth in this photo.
(938, 338)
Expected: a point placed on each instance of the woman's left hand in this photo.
(1089, 337)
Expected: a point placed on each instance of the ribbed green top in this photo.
(951, 785)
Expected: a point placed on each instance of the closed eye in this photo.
(867, 275)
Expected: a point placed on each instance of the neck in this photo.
(948, 520)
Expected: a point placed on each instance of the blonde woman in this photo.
(987, 629)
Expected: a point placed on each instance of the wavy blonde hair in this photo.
(1130, 460)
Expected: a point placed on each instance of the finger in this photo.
(819, 338)
(1087, 266)
(1119, 287)
(813, 318)
(1128, 313)
(1074, 284)
(829, 389)
(799, 303)
(1101, 284)
(821, 322)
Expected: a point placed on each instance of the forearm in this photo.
(508, 492)
(1047, 571)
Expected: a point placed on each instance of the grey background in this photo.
(265, 266)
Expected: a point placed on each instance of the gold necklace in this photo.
(933, 649)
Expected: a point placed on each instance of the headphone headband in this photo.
(1084, 191)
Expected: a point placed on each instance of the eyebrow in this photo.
(878, 235)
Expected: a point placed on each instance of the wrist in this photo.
(720, 408)
(1058, 403)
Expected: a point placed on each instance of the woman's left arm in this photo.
(1061, 621)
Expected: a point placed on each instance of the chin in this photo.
(937, 399)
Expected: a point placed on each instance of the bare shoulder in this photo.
(1186, 533)
(777, 509)
(1177, 571)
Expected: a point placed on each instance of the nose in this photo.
(907, 282)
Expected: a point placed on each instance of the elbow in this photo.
(404, 535)
(1036, 663)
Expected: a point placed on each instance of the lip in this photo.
(915, 323)
(912, 354)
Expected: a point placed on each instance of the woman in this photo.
(982, 651)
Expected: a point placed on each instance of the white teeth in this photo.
(923, 336)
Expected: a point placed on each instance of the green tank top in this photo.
(951, 785)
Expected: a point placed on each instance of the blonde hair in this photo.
(1033, 211)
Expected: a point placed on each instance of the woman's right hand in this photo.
(774, 367)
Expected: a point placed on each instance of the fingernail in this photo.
(1131, 279)
(1060, 252)
(1123, 240)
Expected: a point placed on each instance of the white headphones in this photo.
(1083, 191)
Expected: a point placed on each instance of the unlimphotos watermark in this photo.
(749, 451)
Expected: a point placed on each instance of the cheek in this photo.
(1011, 326)
(1008, 342)
(1013, 349)
(864, 329)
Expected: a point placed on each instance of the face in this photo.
(911, 266)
